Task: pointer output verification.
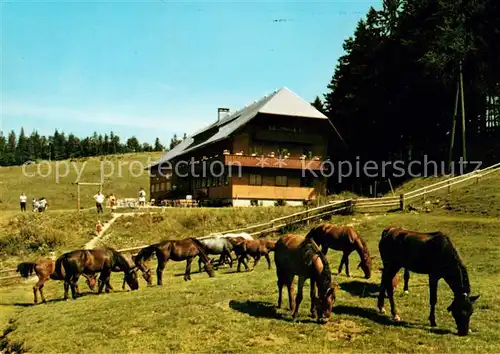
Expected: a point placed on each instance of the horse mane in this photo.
(145, 254)
(310, 249)
(26, 269)
(464, 275)
(365, 246)
(312, 233)
(120, 257)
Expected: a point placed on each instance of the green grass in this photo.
(26, 236)
(177, 223)
(233, 312)
(122, 176)
(470, 198)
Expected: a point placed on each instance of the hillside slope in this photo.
(233, 312)
(481, 198)
(123, 175)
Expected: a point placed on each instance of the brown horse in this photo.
(253, 248)
(178, 250)
(296, 255)
(426, 253)
(346, 239)
(103, 260)
(44, 269)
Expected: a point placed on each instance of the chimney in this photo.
(221, 113)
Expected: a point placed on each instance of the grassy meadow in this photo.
(54, 181)
(233, 312)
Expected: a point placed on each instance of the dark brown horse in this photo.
(99, 260)
(244, 248)
(44, 269)
(346, 239)
(178, 250)
(296, 255)
(426, 253)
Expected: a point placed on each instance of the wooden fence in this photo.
(348, 206)
(400, 202)
(258, 229)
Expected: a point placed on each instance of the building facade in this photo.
(272, 150)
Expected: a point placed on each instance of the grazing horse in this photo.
(103, 260)
(44, 268)
(253, 248)
(217, 245)
(426, 253)
(296, 255)
(178, 250)
(342, 238)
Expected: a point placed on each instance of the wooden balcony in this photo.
(273, 162)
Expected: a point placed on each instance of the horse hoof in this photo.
(381, 310)
(406, 292)
(396, 318)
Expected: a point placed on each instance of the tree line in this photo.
(396, 90)
(18, 149)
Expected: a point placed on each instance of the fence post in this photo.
(402, 202)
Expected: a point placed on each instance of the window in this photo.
(203, 182)
(152, 188)
(257, 149)
(162, 186)
(307, 181)
(281, 181)
(255, 180)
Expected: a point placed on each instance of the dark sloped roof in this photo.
(280, 102)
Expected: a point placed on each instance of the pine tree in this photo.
(318, 104)
(158, 145)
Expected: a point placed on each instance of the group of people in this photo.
(38, 205)
(100, 198)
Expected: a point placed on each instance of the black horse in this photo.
(426, 253)
(105, 260)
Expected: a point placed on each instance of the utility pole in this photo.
(454, 124)
(464, 150)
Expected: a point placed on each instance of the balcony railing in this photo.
(273, 161)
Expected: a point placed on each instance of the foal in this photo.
(44, 269)
(253, 248)
(426, 253)
(178, 250)
(346, 239)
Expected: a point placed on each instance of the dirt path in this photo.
(92, 243)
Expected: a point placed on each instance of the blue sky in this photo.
(161, 67)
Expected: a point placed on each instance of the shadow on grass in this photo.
(383, 319)
(257, 309)
(370, 314)
(361, 289)
(261, 309)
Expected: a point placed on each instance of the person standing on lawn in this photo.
(99, 199)
(22, 201)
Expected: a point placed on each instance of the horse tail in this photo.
(58, 269)
(201, 248)
(26, 269)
